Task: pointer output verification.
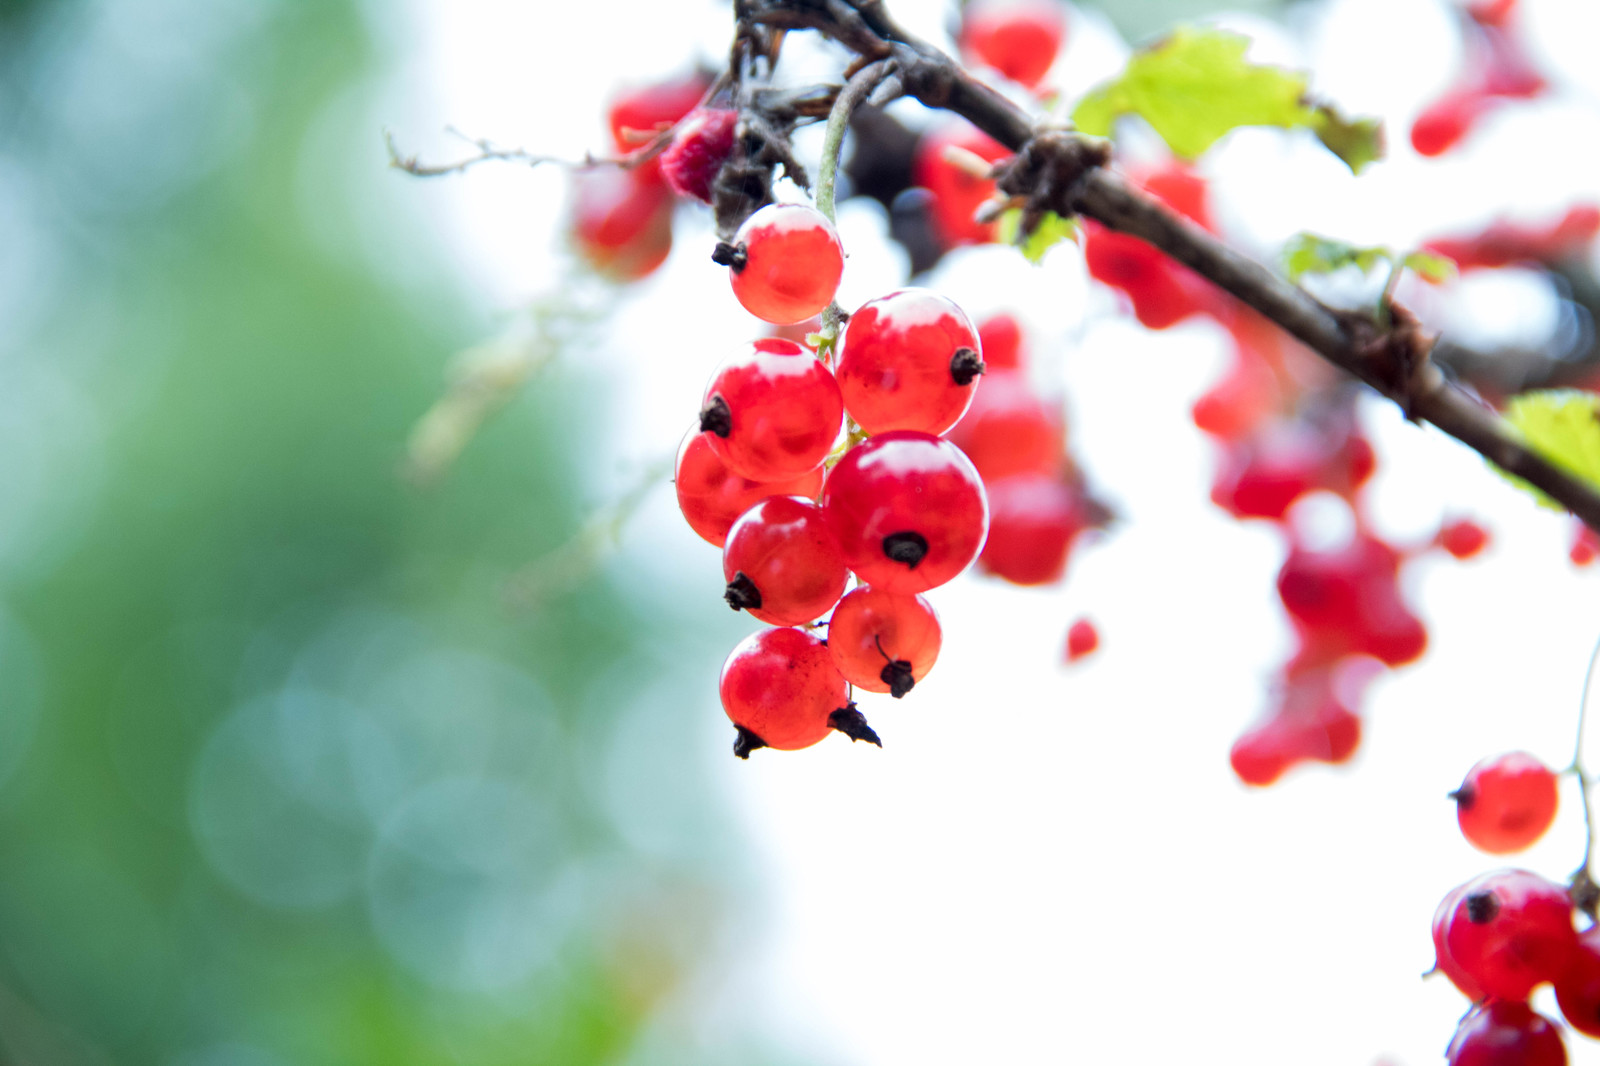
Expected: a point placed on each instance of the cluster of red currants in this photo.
(799, 500)
(1504, 933)
(1497, 70)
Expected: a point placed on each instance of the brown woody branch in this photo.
(1063, 173)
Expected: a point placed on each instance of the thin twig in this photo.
(852, 96)
(1578, 770)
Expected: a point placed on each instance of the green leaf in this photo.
(1051, 231)
(1563, 425)
(1307, 253)
(1431, 267)
(1356, 141)
(1195, 86)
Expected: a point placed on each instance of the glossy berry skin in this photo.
(1018, 38)
(1506, 803)
(782, 562)
(1578, 989)
(1009, 430)
(1585, 546)
(702, 143)
(1033, 519)
(1082, 640)
(1348, 601)
(1444, 962)
(1510, 930)
(883, 641)
(712, 497)
(1500, 1033)
(909, 510)
(781, 685)
(638, 114)
(908, 360)
(957, 193)
(773, 411)
(621, 221)
(1000, 337)
(788, 261)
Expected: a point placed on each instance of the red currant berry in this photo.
(1161, 291)
(1348, 600)
(908, 360)
(1264, 477)
(1311, 721)
(700, 146)
(781, 689)
(1506, 803)
(908, 509)
(957, 191)
(1443, 962)
(1578, 989)
(1082, 640)
(1001, 342)
(1491, 12)
(1499, 1033)
(712, 497)
(883, 641)
(1018, 38)
(785, 263)
(621, 221)
(1585, 546)
(773, 411)
(1008, 430)
(1443, 124)
(639, 114)
(782, 562)
(1033, 519)
(1511, 930)
(1240, 401)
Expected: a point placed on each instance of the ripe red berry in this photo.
(781, 689)
(1444, 123)
(1082, 639)
(711, 496)
(1506, 803)
(1311, 721)
(1240, 400)
(782, 563)
(1019, 38)
(1347, 600)
(883, 641)
(908, 360)
(1499, 1033)
(1001, 342)
(908, 509)
(785, 263)
(1009, 430)
(957, 192)
(1510, 931)
(773, 411)
(1578, 989)
(1443, 961)
(1585, 546)
(701, 144)
(621, 221)
(638, 114)
(1161, 291)
(1033, 519)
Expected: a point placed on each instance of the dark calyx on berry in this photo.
(1482, 908)
(733, 256)
(853, 724)
(742, 594)
(897, 675)
(716, 418)
(907, 547)
(746, 742)
(1465, 797)
(965, 366)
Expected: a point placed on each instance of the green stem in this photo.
(1577, 760)
(850, 97)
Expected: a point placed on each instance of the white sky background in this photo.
(1048, 865)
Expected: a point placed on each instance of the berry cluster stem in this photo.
(1583, 876)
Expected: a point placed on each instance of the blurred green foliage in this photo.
(281, 781)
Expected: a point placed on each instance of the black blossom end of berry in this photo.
(1482, 907)
(1583, 892)
(746, 742)
(741, 593)
(907, 547)
(1465, 797)
(732, 256)
(965, 366)
(897, 675)
(853, 724)
(716, 418)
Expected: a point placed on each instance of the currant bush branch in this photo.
(1392, 358)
